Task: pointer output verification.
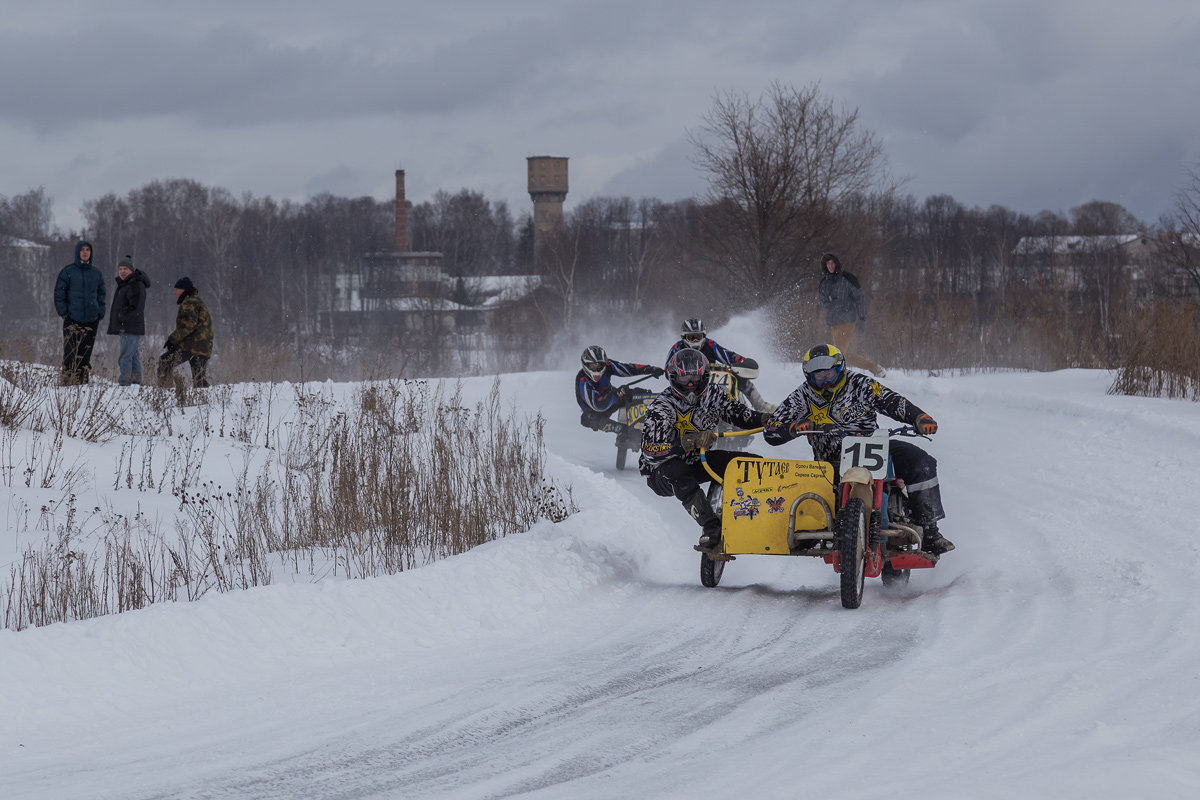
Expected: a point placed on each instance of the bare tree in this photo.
(1179, 244)
(110, 224)
(26, 215)
(474, 235)
(640, 249)
(779, 167)
(1102, 218)
(218, 235)
(564, 253)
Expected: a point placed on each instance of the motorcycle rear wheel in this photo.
(894, 577)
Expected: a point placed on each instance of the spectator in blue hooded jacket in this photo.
(79, 300)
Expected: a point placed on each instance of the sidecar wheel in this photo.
(710, 571)
(851, 525)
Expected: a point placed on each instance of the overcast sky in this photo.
(1032, 104)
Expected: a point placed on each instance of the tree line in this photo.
(791, 174)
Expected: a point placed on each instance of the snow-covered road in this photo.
(1055, 653)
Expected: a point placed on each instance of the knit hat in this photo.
(127, 261)
(184, 283)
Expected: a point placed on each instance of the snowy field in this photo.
(1055, 653)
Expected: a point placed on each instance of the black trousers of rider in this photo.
(596, 420)
(918, 470)
(78, 340)
(682, 479)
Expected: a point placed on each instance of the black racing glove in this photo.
(657, 372)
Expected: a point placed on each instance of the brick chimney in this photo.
(401, 215)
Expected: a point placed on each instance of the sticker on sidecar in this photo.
(744, 505)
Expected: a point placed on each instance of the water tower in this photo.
(548, 190)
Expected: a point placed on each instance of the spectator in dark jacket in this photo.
(192, 339)
(845, 305)
(79, 299)
(128, 319)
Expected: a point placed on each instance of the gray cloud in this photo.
(1028, 104)
(231, 77)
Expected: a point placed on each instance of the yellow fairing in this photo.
(759, 493)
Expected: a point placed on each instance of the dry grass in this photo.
(1162, 356)
(405, 474)
(1038, 329)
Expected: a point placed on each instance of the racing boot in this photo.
(711, 538)
(757, 401)
(933, 541)
(628, 436)
(697, 505)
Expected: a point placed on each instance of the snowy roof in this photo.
(24, 244)
(1065, 245)
(421, 304)
(499, 289)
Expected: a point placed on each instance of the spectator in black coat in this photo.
(128, 319)
(845, 305)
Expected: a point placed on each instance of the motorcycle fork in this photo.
(874, 565)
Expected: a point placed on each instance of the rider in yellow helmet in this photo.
(831, 395)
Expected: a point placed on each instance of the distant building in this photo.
(1074, 262)
(29, 292)
(406, 296)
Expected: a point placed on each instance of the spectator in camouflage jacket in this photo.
(192, 339)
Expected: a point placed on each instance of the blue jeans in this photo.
(129, 361)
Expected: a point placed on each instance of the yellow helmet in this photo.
(824, 368)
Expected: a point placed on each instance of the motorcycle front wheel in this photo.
(852, 551)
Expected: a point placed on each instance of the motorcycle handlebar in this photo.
(903, 430)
